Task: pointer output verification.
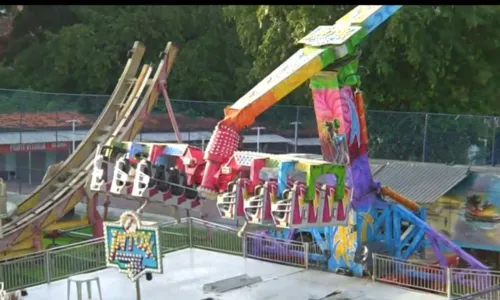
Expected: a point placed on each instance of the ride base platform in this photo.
(187, 271)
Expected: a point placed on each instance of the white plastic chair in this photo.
(79, 280)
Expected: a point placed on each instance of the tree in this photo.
(269, 35)
(32, 23)
(439, 59)
(424, 59)
(436, 59)
(88, 56)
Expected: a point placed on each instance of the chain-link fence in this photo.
(30, 117)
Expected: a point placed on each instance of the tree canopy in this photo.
(86, 54)
(425, 58)
(439, 59)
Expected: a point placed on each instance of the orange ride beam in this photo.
(287, 77)
(400, 199)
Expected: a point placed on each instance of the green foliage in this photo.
(269, 33)
(33, 23)
(425, 58)
(88, 55)
(438, 59)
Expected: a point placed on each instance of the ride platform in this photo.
(187, 271)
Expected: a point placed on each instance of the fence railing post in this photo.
(494, 141)
(449, 282)
(244, 244)
(374, 271)
(99, 257)
(306, 255)
(424, 142)
(190, 232)
(46, 258)
(2, 274)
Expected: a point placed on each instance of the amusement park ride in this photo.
(334, 199)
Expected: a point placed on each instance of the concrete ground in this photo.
(186, 271)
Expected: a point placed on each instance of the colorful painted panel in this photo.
(369, 16)
(351, 28)
(346, 240)
(333, 103)
(469, 214)
(290, 67)
(329, 35)
(315, 170)
(284, 169)
(330, 104)
(132, 246)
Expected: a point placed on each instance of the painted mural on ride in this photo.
(336, 103)
(469, 214)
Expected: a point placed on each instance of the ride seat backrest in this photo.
(124, 166)
(190, 191)
(287, 194)
(170, 161)
(231, 187)
(267, 174)
(147, 171)
(161, 179)
(177, 180)
(107, 173)
(259, 190)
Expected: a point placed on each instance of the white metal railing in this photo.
(433, 278)
(276, 250)
(482, 284)
(488, 294)
(61, 262)
(409, 274)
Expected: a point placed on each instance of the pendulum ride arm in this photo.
(225, 139)
(324, 45)
(336, 110)
(169, 57)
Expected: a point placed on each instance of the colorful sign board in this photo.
(133, 246)
(35, 147)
